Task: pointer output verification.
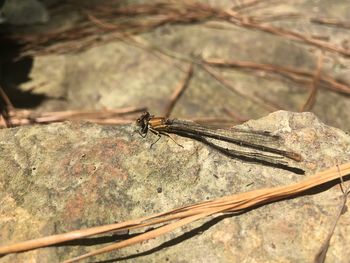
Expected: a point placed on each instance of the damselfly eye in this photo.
(140, 122)
(143, 119)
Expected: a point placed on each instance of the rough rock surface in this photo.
(61, 177)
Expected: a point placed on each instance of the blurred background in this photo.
(218, 62)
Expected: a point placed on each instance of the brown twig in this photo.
(179, 90)
(309, 103)
(182, 216)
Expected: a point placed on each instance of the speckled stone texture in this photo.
(61, 177)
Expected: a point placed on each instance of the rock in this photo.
(24, 12)
(66, 176)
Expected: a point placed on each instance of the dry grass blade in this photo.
(106, 116)
(6, 99)
(275, 17)
(230, 87)
(180, 89)
(236, 116)
(4, 109)
(284, 71)
(322, 253)
(3, 122)
(140, 238)
(117, 21)
(213, 121)
(138, 18)
(235, 18)
(184, 215)
(309, 103)
(247, 4)
(331, 22)
(266, 100)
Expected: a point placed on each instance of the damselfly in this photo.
(259, 144)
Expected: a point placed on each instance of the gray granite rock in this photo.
(61, 177)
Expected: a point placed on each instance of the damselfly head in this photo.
(143, 119)
(142, 122)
